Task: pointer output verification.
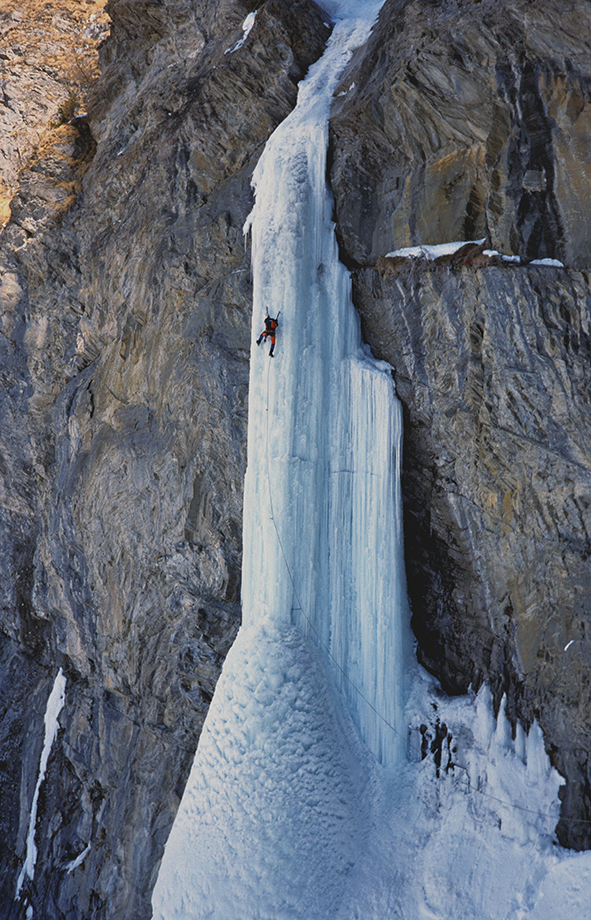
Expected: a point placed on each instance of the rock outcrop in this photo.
(466, 121)
(125, 319)
(48, 62)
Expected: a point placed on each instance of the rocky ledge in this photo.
(468, 121)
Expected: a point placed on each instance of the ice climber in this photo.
(270, 327)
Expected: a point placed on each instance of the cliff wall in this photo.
(469, 121)
(125, 321)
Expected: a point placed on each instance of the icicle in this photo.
(54, 707)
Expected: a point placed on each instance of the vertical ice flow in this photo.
(275, 814)
(322, 540)
(55, 703)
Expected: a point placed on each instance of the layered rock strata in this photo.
(466, 121)
(125, 320)
(125, 314)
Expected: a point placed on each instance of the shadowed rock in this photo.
(125, 319)
(465, 121)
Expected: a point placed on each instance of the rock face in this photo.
(125, 319)
(469, 121)
(465, 120)
(48, 61)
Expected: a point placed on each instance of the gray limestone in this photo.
(125, 299)
(466, 121)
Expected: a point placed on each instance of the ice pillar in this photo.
(322, 535)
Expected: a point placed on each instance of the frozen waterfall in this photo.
(279, 769)
(322, 532)
(286, 815)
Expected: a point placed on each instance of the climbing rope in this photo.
(295, 590)
(468, 785)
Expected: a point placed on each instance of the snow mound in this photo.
(274, 813)
(552, 262)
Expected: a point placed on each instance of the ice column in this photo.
(322, 536)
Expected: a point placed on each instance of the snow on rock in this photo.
(432, 252)
(275, 812)
(75, 863)
(505, 258)
(448, 249)
(556, 263)
(246, 29)
(55, 703)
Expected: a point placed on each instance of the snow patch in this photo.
(79, 859)
(54, 707)
(553, 262)
(246, 29)
(432, 252)
(505, 258)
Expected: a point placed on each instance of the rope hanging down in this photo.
(359, 693)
